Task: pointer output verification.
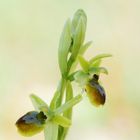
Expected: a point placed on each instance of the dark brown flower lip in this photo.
(32, 117)
(93, 83)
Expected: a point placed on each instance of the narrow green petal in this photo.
(100, 56)
(96, 63)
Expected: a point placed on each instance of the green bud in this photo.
(64, 47)
(78, 38)
(95, 92)
(79, 14)
(31, 123)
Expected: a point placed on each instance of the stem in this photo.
(61, 89)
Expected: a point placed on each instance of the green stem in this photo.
(61, 89)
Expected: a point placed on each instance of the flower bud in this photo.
(95, 92)
(31, 123)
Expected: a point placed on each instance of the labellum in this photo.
(95, 92)
(31, 123)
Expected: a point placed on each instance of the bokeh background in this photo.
(29, 37)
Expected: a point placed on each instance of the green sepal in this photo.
(39, 104)
(84, 63)
(64, 47)
(82, 50)
(62, 121)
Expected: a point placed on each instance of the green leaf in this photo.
(64, 47)
(82, 78)
(62, 121)
(38, 103)
(98, 70)
(84, 63)
(51, 131)
(100, 56)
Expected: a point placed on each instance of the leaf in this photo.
(62, 121)
(100, 56)
(84, 63)
(38, 103)
(98, 70)
(51, 131)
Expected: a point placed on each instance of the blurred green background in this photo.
(29, 37)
